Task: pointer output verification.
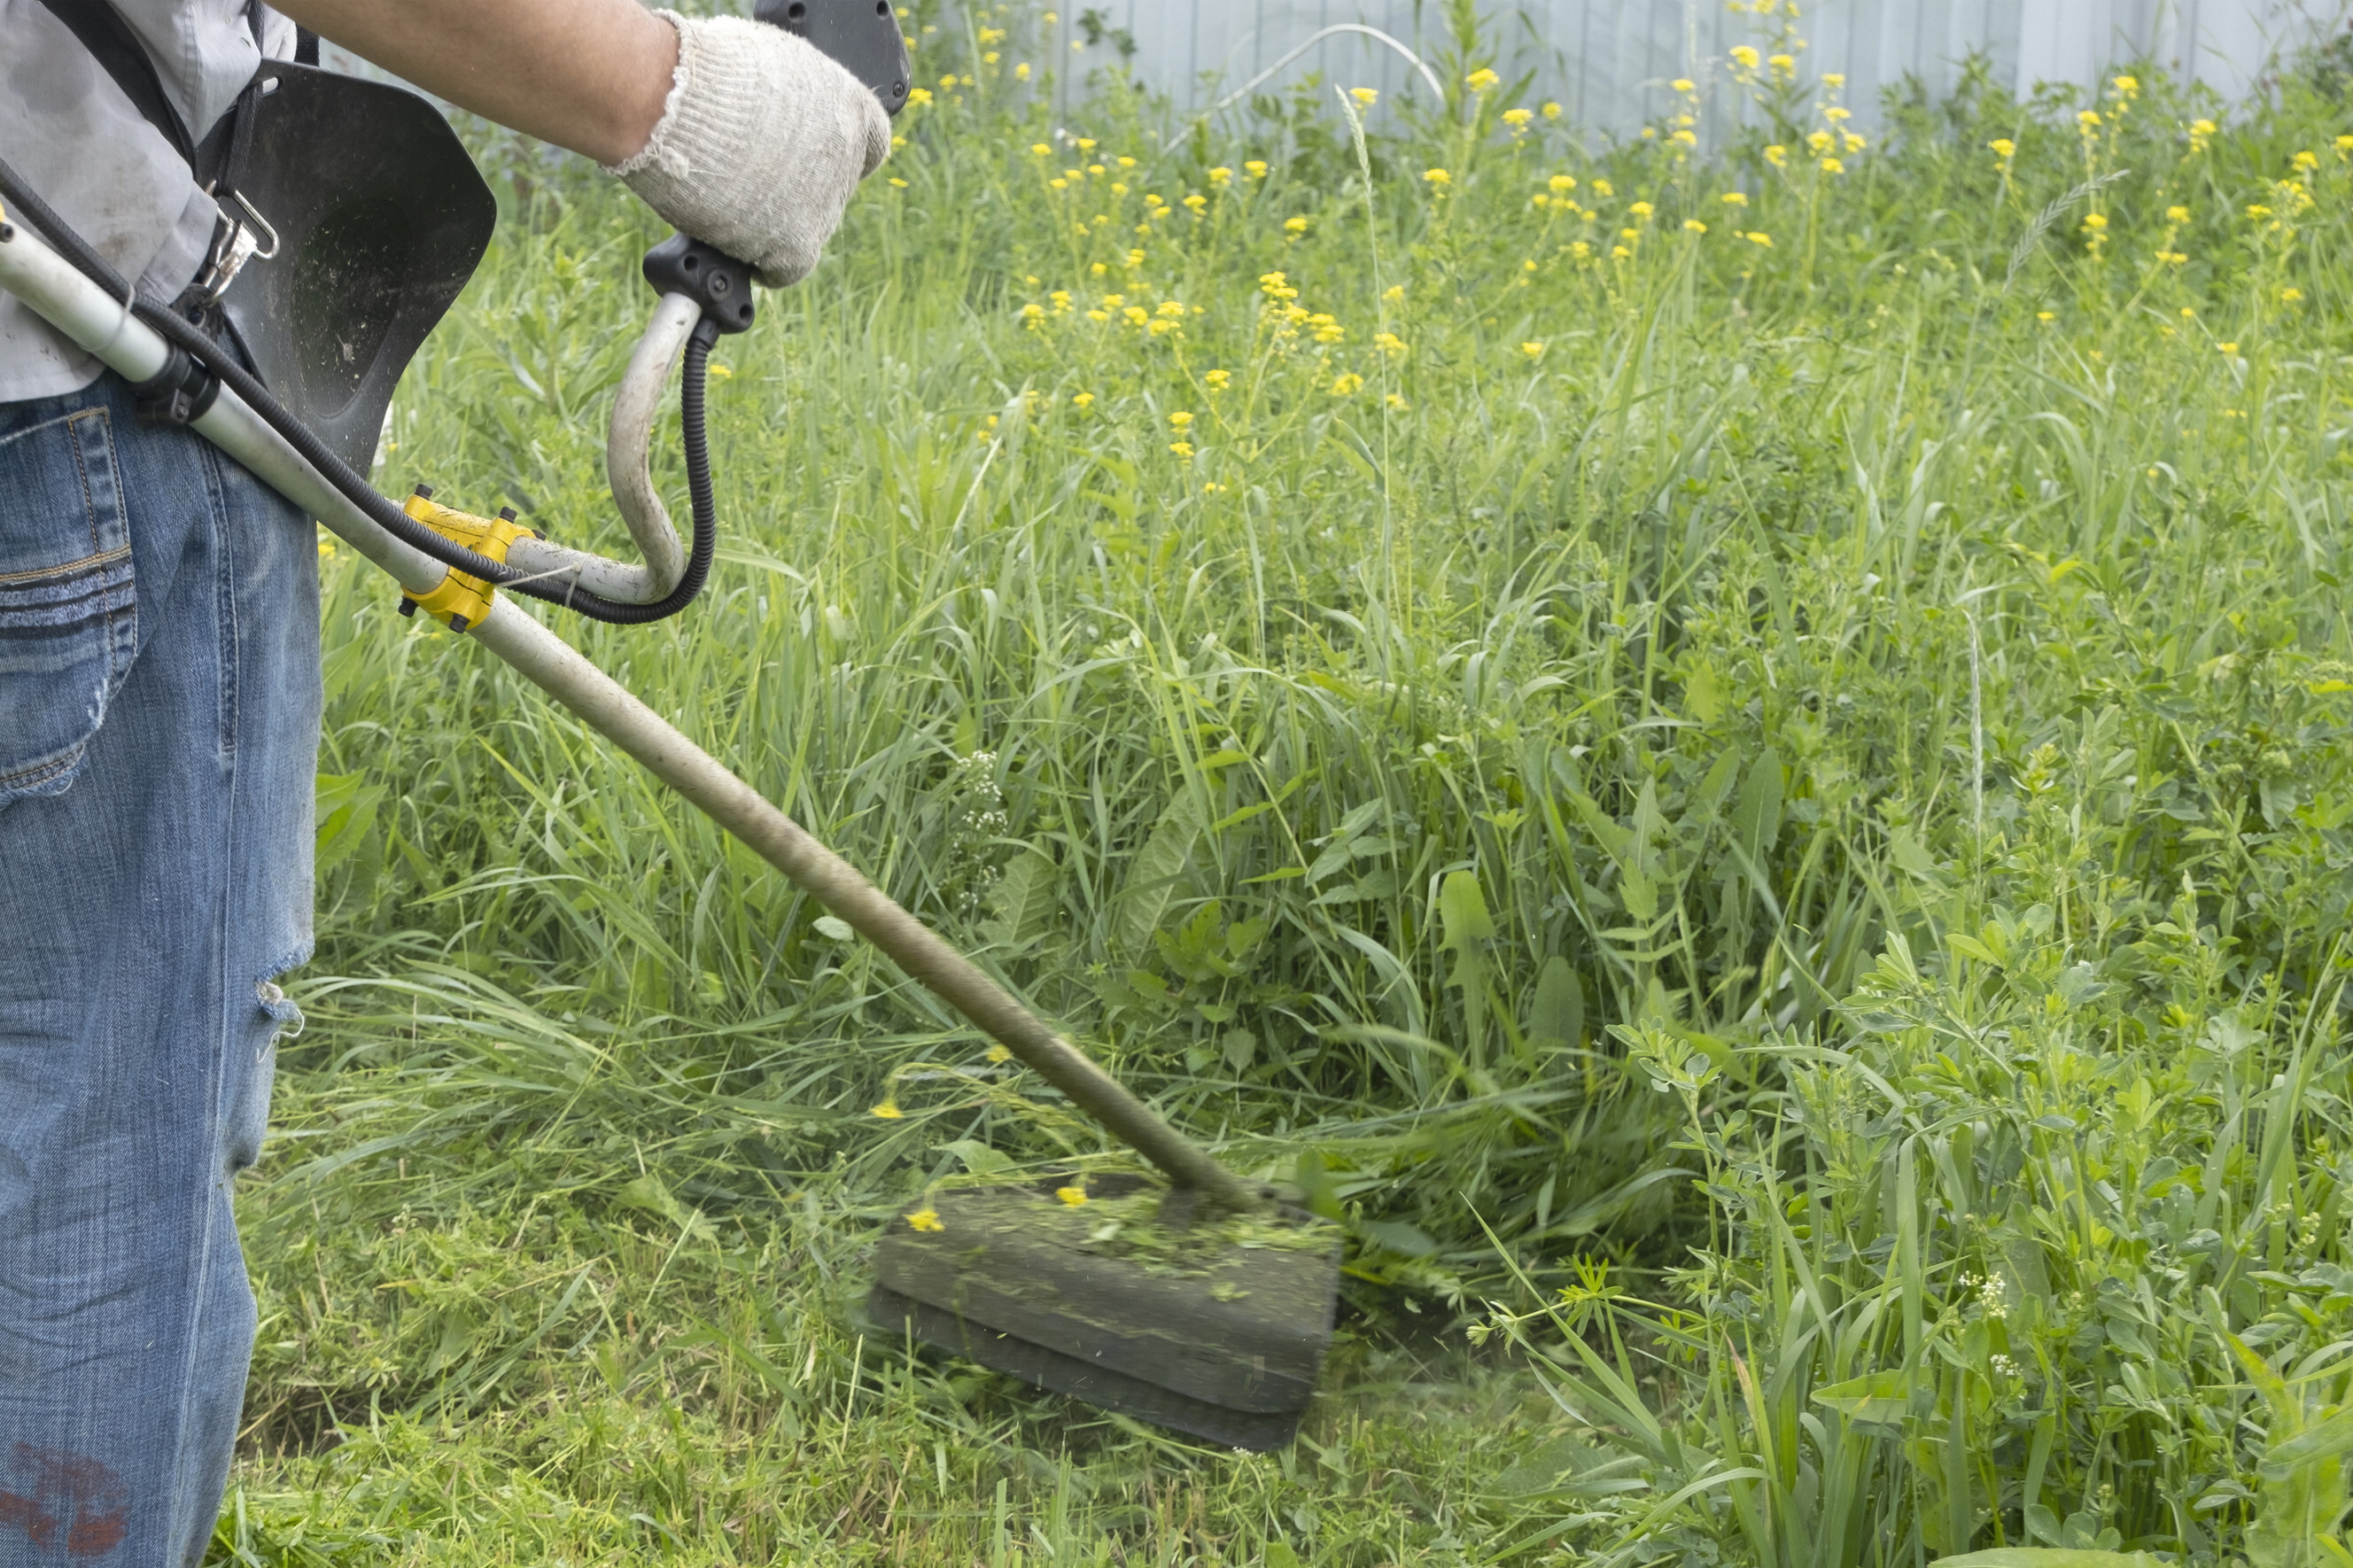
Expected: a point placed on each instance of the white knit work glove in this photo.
(762, 140)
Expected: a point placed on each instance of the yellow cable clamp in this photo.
(458, 601)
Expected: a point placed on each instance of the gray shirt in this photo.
(77, 140)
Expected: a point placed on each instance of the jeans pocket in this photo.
(68, 611)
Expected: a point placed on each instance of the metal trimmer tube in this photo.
(34, 272)
(1220, 1332)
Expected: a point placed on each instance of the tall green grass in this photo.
(1763, 819)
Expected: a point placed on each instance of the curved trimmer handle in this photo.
(696, 283)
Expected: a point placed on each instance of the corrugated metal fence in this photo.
(1608, 62)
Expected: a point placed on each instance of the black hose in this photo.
(381, 509)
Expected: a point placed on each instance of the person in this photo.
(160, 697)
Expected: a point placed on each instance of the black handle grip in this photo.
(863, 35)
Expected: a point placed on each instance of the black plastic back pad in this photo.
(863, 35)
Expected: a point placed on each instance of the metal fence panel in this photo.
(1608, 62)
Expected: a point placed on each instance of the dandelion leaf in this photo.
(1157, 873)
(1556, 1015)
(1021, 899)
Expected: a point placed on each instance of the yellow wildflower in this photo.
(2305, 162)
(1604, 189)
(1480, 80)
(1778, 155)
(1552, 112)
(1759, 238)
(1180, 419)
(1367, 96)
(2089, 120)
(1221, 177)
(1734, 198)
(2126, 87)
(918, 97)
(1533, 351)
(2290, 296)
(1389, 343)
(1394, 294)
(1683, 84)
(1182, 449)
(1040, 149)
(2003, 148)
(1560, 184)
(1294, 227)
(889, 1109)
(1438, 177)
(1832, 166)
(1255, 169)
(1694, 226)
(2046, 315)
(1745, 56)
(925, 1218)
(1641, 209)
(1782, 63)
(1218, 380)
(1073, 1195)
(1344, 385)
(1833, 80)
(1081, 399)
(2176, 214)
(1517, 119)
(2228, 348)
(1021, 71)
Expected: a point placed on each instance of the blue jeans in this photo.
(159, 719)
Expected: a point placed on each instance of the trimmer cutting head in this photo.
(1216, 1328)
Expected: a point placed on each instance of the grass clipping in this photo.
(1119, 1218)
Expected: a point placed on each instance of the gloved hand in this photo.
(761, 143)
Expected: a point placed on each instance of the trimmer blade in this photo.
(1218, 1329)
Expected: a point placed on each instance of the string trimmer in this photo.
(1201, 1306)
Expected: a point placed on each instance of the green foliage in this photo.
(1775, 805)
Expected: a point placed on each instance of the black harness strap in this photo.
(117, 49)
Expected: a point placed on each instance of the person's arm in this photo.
(589, 75)
(741, 135)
